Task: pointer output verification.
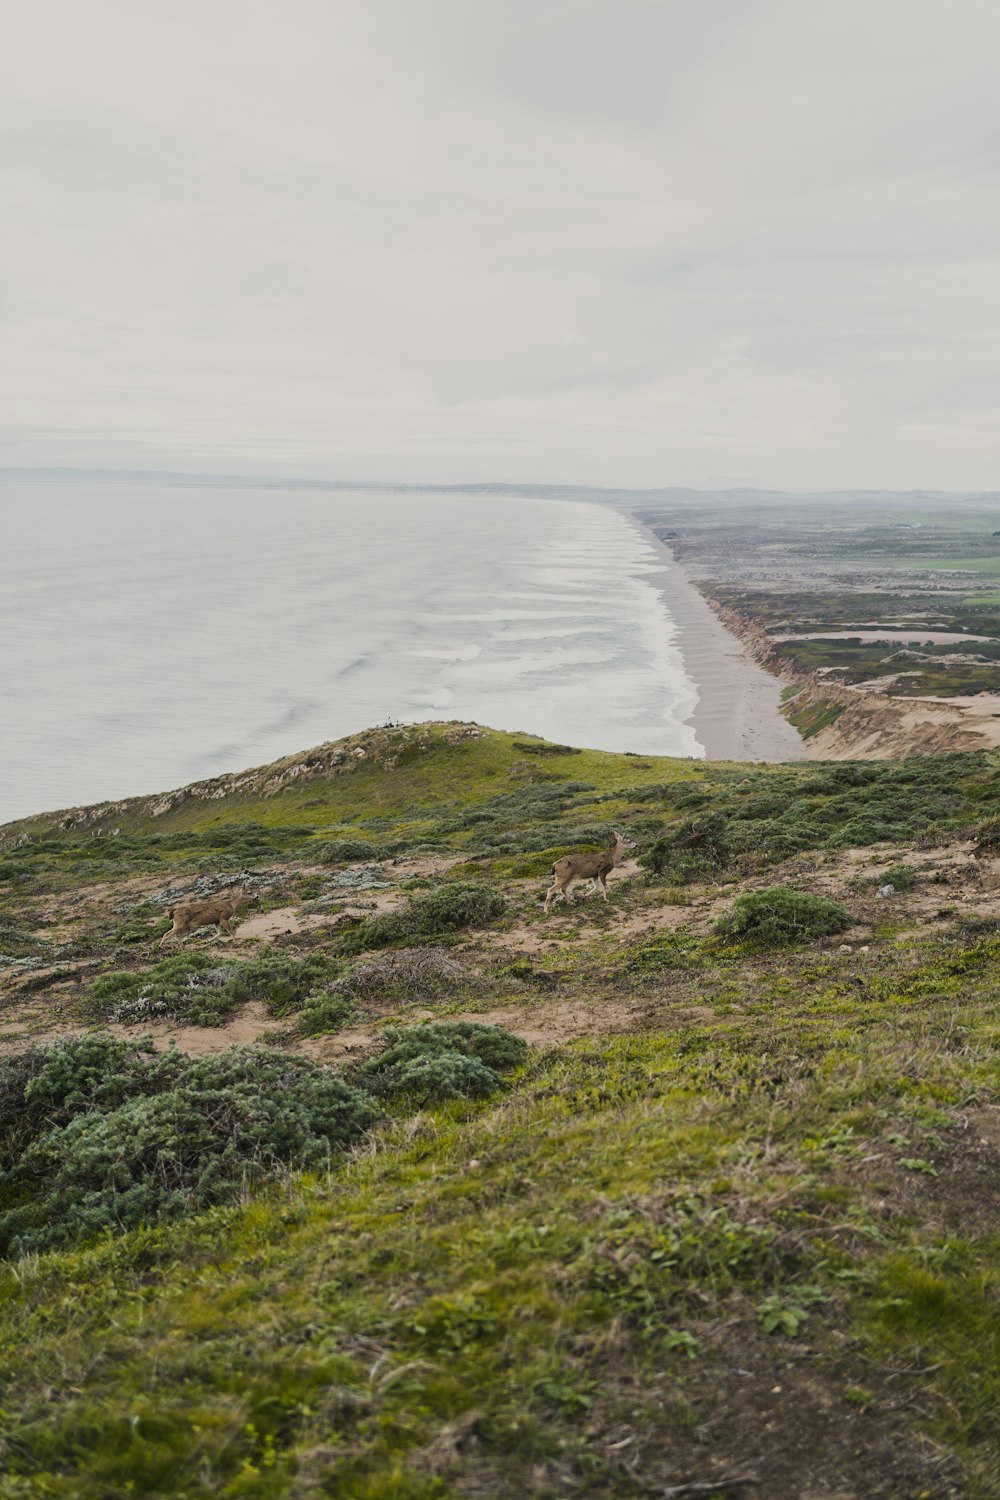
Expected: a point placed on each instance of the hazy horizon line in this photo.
(181, 477)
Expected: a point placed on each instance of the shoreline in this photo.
(737, 715)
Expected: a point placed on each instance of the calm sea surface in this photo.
(151, 636)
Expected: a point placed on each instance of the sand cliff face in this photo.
(861, 722)
(870, 726)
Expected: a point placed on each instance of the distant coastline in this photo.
(738, 712)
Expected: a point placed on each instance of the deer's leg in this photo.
(170, 932)
(554, 890)
(604, 885)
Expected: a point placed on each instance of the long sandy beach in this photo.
(737, 716)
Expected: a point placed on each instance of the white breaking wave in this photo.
(153, 636)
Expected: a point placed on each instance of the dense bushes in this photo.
(343, 851)
(205, 991)
(399, 977)
(462, 1059)
(753, 819)
(97, 1133)
(283, 983)
(694, 847)
(776, 917)
(186, 987)
(522, 821)
(448, 908)
(322, 1014)
(236, 844)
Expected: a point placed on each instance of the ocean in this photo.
(154, 635)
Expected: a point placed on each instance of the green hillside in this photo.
(692, 1192)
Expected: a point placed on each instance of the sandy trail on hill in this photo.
(539, 1022)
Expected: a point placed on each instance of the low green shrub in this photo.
(19, 942)
(47, 1086)
(900, 877)
(281, 982)
(778, 916)
(322, 1014)
(403, 975)
(676, 949)
(859, 833)
(99, 1134)
(448, 908)
(460, 1060)
(343, 851)
(192, 987)
(765, 843)
(692, 848)
(204, 991)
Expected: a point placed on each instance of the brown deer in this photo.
(593, 867)
(214, 912)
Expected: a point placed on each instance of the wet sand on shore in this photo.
(737, 716)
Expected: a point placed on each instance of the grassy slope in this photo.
(566, 1290)
(404, 774)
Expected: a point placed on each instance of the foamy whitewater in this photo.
(156, 635)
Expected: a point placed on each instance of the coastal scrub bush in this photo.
(190, 987)
(323, 1014)
(692, 848)
(46, 1086)
(764, 843)
(406, 974)
(238, 842)
(463, 1059)
(987, 836)
(204, 991)
(282, 982)
(774, 813)
(509, 823)
(900, 877)
(778, 916)
(157, 1136)
(859, 833)
(448, 908)
(18, 942)
(343, 851)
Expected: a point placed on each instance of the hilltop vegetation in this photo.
(441, 1197)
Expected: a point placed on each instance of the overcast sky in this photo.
(635, 242)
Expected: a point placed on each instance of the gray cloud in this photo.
(634, 242)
